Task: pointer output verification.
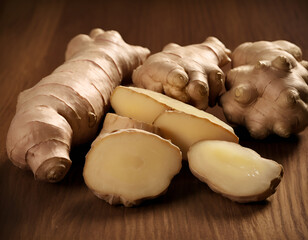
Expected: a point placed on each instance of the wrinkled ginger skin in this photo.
(190, 74)
(267, 89)
(67, 106)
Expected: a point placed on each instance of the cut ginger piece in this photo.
(182, 123)
(141, 104)
(130, 165)
(186, 128)
(145, 105)
(236, 172)
(114, 122)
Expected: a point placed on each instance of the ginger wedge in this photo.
(236, 172)
(130, 165)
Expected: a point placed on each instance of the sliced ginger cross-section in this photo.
(236, 172)
(186, 128)
(182, 123)
(130, 165)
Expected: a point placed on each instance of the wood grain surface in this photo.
(33, 38)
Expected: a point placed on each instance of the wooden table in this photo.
(33, 38)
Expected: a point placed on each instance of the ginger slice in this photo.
(130, 165)
(186, 128)
(236, 172)
(140, 104)
(178, 121)
(119, 164)
(145, 105)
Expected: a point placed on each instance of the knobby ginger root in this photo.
(236, 172)
(129, 165)
(67, 106)
(190, 74)
(267, 89)
(180, 122)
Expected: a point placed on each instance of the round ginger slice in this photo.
(236, 172)
(130, 165)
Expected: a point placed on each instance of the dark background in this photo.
(33, 38)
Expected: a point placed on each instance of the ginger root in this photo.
(128, 165)
(190, 74)
(67, 106)
(267, 89)
(236, 172)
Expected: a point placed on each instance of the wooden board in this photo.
(33, 38)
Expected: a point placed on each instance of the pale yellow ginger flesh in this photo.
(236, 172)
(66, 107)
(131, 165)
(140, 104)
(186, 128)
(146, 105)
(190, 73)
(184, 125)
(267, 89)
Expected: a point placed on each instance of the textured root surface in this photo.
(67, 106)
(190, 74)
(267, 89)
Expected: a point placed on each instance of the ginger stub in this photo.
(236, 172)
(131, 165)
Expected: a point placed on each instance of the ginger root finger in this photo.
(236, 172)
(130, 165)
(67, 106)
(190, 74)
(267, 89)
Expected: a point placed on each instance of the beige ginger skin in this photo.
(67, 106)
(190, 74)
(267, 89)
